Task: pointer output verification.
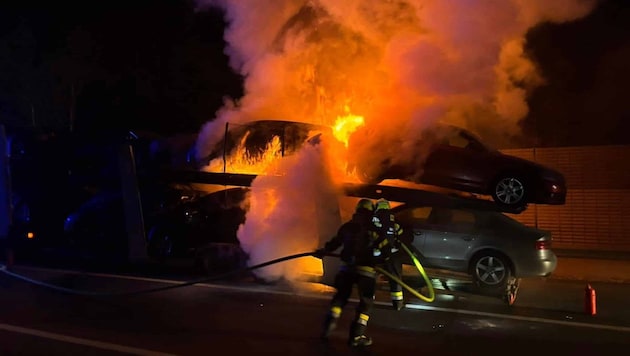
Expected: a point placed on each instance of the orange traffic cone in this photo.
(590, 300)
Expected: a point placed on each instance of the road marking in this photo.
(326, 296)
(517, 317)
(80, 341)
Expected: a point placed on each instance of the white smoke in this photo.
(290, 214)
(402, 63)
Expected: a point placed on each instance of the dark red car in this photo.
(458, 160)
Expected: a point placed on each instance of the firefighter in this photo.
(358, 268)
(387, 235)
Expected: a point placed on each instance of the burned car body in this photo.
(202, 227)
(179, 224)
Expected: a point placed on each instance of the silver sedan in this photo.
(489, 246)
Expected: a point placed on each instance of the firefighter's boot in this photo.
(360, 341)
(330, 324)
(358, 337)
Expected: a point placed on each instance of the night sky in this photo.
(158, 66)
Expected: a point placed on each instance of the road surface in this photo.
(250, 318)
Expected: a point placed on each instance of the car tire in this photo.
(491, 270)
(510, 191)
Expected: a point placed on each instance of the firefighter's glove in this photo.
(398, 304)
(320, 253)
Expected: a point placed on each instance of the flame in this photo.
(346, 125)
(241, 160)
(245, 162)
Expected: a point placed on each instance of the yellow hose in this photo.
(431, 296)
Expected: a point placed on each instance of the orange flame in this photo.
(346, 125)
(241, 160)
(245, 162)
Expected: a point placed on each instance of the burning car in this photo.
(447, 156)
(247, 147)
(457, 159)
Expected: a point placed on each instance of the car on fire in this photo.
(489, 246)
(458, 159)
(255, 138)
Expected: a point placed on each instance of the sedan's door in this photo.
(449, 235)
(413, 220)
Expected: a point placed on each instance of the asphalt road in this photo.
(243, 317)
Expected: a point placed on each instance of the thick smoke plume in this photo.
(291, 214)
(402, 65)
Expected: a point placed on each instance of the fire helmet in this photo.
(382, 204)
(364, 204)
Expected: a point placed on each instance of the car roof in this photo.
(279, 122)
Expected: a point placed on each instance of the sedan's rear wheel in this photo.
(491, 270)
(510, 191)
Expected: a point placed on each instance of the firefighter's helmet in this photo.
(382, 204)
(364, 204)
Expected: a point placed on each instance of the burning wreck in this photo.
(376, 74)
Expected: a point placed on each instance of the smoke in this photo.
(287, 216)
(402, 65)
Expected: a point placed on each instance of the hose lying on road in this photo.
(4, 270)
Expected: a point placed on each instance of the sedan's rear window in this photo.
(462, 218)
(414, 215)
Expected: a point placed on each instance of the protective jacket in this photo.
(385, 234)
(354, 236)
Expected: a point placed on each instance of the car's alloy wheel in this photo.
(509, 191)
(491, 270)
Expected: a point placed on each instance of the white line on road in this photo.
(325, 296)
(80, 341)
(517, 317)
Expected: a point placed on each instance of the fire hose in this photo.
(431, 297)
(420, 269)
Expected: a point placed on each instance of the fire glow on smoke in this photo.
(399, 65)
